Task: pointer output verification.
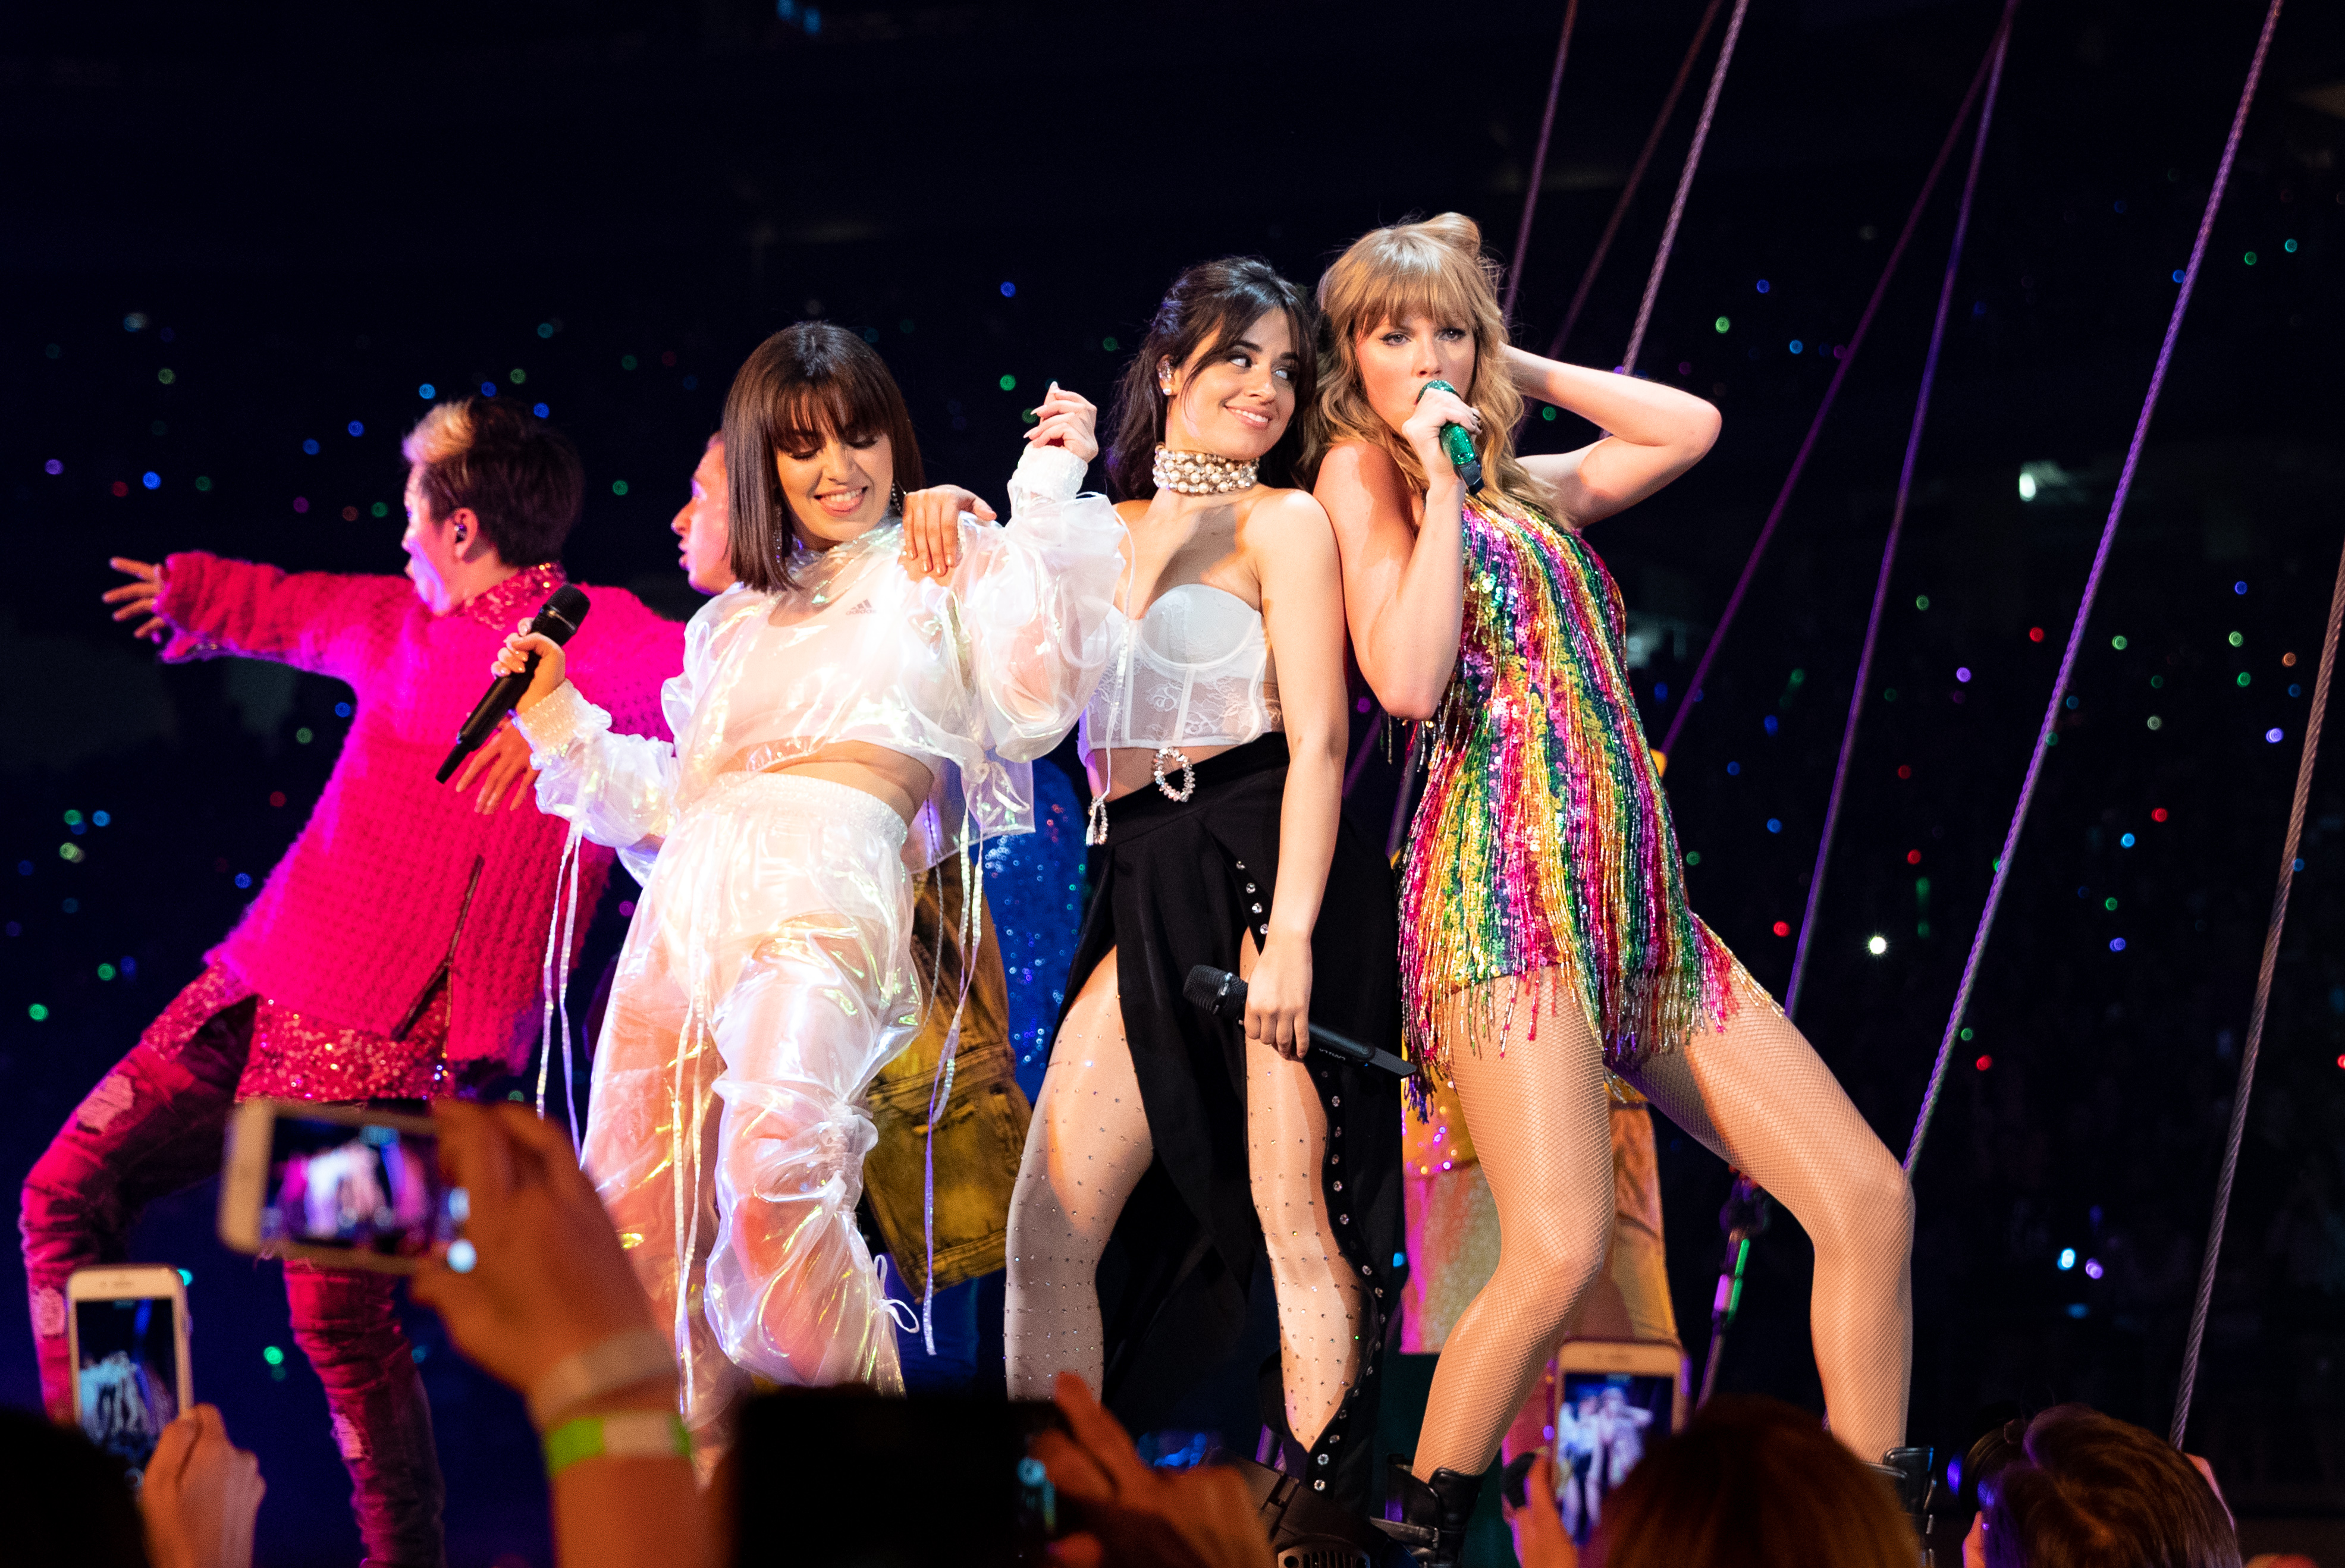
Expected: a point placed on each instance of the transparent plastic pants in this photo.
(765, 981)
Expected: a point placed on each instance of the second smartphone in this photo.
(358, 1189)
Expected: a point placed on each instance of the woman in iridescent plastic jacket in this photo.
(862, 703)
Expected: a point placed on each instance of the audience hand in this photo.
(548, 1278)
(1540, 1540)
(201, 1496)
(1136, 1516)
(501, 759)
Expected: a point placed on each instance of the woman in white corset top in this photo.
(1164, 1140)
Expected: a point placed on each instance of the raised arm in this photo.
(1035, 597)
(1653, 434)
(1404, 580)
(1302, 577)
(209, 607)
(619, 789)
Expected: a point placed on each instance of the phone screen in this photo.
(1603, 1424)
(129, 1373)
(373, 1190)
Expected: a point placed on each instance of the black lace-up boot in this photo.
(1429, 1517)
(1908, 1472)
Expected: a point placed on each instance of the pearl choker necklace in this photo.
(1201, 474)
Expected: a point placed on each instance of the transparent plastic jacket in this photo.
(768, 975)
(997, 666)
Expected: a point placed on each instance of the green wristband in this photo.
(629, 1434)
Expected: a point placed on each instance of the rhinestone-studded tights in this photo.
(1758, 1096)
(1086, 1150)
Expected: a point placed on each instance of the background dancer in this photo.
(1215, 747)
(1544, 926)
(390, 953)
(857, 706)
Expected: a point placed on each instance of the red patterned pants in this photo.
(154, 1125)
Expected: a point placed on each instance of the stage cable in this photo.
(1897, 514)
(1685, 184)
(1848, 352)
(2042, 743)
(1539, 162)
(1747, 1207)
(1636, 178)
(2288, 864)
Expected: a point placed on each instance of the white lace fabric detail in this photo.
(1198, 676)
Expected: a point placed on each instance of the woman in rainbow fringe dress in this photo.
(1545, 935)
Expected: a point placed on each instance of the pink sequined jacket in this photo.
(356, 918)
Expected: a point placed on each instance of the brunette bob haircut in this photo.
(520, 475)
(1752, 1483)
(2093, 1492)
(803, 385)
(1204, 313)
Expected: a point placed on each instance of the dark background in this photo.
(224, 234)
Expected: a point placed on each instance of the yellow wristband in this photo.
(628, 1434)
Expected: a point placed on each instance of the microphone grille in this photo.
(1203, 986)
(559, 616)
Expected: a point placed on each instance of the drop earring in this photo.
(896, 497)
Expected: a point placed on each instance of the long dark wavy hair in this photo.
(1208, 309)
(804, 384)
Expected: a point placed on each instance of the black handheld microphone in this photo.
(1223, 995)
(556, 619)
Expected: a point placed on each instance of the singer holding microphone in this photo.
(392, 953)
(862, 702)
(1545, 935)
(1215, 750)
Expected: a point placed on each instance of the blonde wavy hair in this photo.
(1433, 268)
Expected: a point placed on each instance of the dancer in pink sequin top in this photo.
(395, 951)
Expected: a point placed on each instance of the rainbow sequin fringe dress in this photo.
(1543, 841)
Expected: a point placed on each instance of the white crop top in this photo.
(1196, 677)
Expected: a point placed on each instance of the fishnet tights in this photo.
(1086, 1150)
(1320, 1311)
(1758, 1096)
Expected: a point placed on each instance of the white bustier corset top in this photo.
(1196, 675)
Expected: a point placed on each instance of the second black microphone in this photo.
(1223, 995)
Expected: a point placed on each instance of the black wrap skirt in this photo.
(1180, 883)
